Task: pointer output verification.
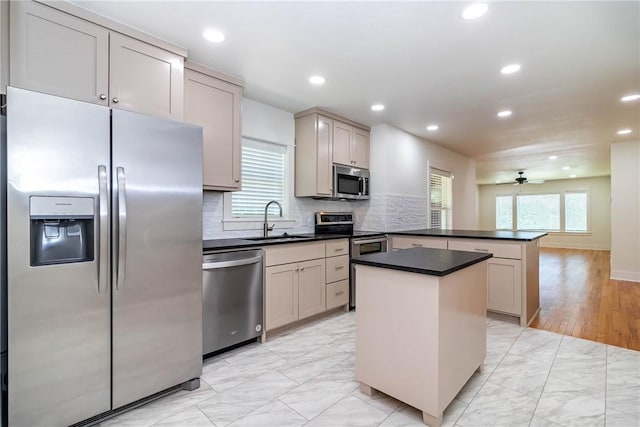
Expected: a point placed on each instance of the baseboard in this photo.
(628, 276)
(575, 246)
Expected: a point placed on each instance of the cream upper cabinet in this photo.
(215, 105)
(323, 139)
(342, 140)
(314, 154)
(311, 288)
(350, 145)
(360, 148)
(57, 53)
(145, 78)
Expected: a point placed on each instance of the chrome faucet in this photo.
(265, 227)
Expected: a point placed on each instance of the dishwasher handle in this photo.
(234, 263)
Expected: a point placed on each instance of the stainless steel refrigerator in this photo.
(104, 243)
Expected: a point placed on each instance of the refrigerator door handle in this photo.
(122, 229)
(103, 234)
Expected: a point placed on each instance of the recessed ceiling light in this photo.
(432, 128)
(629, 98)
(553, 157)
(572, 176)
(316, 80)
(377, 107)
(510, 69)
(566, 168)
(498, 182)
(505, 113)
(624, 131)
(474, 11)
(213, 35)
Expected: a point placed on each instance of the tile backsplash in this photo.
(386, 212)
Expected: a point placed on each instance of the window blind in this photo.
(440, 195)
(263, 178)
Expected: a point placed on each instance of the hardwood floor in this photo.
(577, 298)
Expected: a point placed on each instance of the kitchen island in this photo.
(420, 325)
(513, 272)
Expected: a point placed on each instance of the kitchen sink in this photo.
(280, 238)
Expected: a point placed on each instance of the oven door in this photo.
(362, 247)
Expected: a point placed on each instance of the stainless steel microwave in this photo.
(350, 183)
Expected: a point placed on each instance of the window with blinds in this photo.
(440, 195)
(263, 179)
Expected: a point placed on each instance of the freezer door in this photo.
(157, 220)
(58, 319)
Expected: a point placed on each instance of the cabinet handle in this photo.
(237, 179)
(417, 245)
(339, 293)
(297, 269)
(103, 96)
(340, 267)
(481, 250)
(115, 100)
(302, 269)
(338, 249)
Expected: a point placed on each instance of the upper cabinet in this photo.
(58, 53)
(214, 101)
(314, 151)
(350, 145)
(322, 139)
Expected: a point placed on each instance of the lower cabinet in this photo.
(311, 288)
(504, 285)
(293, 292)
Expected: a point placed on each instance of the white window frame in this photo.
(229, 223)
(562, 195)
(439, 168)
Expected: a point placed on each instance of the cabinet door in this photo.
(215, 105)
(281, 295)
(360, 148)
(504, 285)
(342, 135)
(324, 141)
(145, 78)
(311, 288)
(56, 53)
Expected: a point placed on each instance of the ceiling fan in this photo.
(521, 179)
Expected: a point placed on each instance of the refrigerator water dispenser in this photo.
(61, 230)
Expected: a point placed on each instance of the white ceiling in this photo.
(427, 65)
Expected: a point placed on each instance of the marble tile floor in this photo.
(307, 377)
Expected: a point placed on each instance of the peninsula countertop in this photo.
(527, 236)
(433, 262)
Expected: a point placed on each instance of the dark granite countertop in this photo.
(433, 262)
(242, 243)
(527, 236)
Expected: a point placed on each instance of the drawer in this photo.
(284, 254)
(337, 294)
(498, 249)
(405, 242)
(337, 247)
(337, 268)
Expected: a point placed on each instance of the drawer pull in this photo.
(417, 245)
(338, 250)
(339, 267)
(481, 250)
(339, 293)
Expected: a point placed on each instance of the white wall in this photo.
(399, 169)
(599, 236)
(399, 173)
(625, 211)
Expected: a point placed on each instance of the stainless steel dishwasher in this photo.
(232, 303)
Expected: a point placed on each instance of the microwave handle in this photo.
(365, 185)
(361, 186)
